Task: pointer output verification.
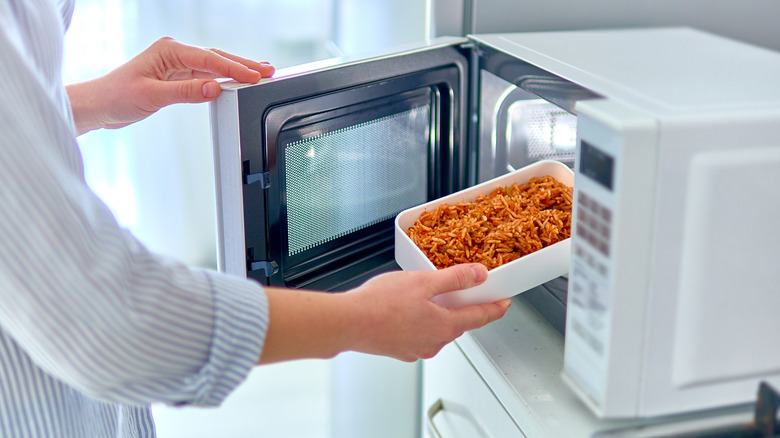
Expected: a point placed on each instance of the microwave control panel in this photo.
(611, 234)
(589, 295)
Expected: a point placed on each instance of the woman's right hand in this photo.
(400, 320)
(390, 315)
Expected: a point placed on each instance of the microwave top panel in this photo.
(666, 71)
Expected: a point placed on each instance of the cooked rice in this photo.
(495, 229)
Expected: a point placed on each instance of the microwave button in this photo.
(603, 230)
(583, 215)
(583, 200)
(605, 214)
(584, 231)
(579, 251)
(603, 247)
(587, 217)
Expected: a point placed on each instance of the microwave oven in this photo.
(674, 137)
(313, 165)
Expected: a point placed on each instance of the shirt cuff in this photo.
(240, 326)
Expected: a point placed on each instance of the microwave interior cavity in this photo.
(519, 128)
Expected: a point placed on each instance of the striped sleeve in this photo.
(239, 331)
(84, 299)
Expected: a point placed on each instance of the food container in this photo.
(506, 280)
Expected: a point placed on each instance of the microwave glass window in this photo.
(345, 180)
(596, 164)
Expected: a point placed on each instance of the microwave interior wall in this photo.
(518, 128)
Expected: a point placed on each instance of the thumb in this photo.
(187, 91)
(210, 90)
(459, 277)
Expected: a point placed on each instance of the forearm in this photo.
(306, 324)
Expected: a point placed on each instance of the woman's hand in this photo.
(400, 320)
(166, 72)
(390, 315)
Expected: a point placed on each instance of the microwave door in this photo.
(311, 167)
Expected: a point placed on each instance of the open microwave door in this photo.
(312, 166)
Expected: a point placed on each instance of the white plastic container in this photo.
(506, 280)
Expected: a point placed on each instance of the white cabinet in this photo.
(457, 402)
(504, 381)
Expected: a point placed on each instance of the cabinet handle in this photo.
(435, 408)
(456, 409)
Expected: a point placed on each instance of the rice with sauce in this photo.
(497, 228)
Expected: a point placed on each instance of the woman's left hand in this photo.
(166, 72)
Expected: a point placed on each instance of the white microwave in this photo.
(672, 293)
(674, 137)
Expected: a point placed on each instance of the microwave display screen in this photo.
(344, 180)
(596, 164)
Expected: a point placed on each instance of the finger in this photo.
(210, 62)
(185, 91)
(476, 316)
(457, 277)
(263, 67)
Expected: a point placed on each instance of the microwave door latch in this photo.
(269, 268)
(263, 178)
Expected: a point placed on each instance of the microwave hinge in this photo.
(471, 46)
(263, 178)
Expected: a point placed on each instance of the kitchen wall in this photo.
(753, 21)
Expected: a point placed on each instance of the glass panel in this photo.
(346, 180)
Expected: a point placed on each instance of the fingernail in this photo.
(210, 90)
(480, 273)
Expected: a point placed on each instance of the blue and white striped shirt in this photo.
(93, 326)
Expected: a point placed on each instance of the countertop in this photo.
(520, 358)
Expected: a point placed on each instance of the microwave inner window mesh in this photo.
(342, 181)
